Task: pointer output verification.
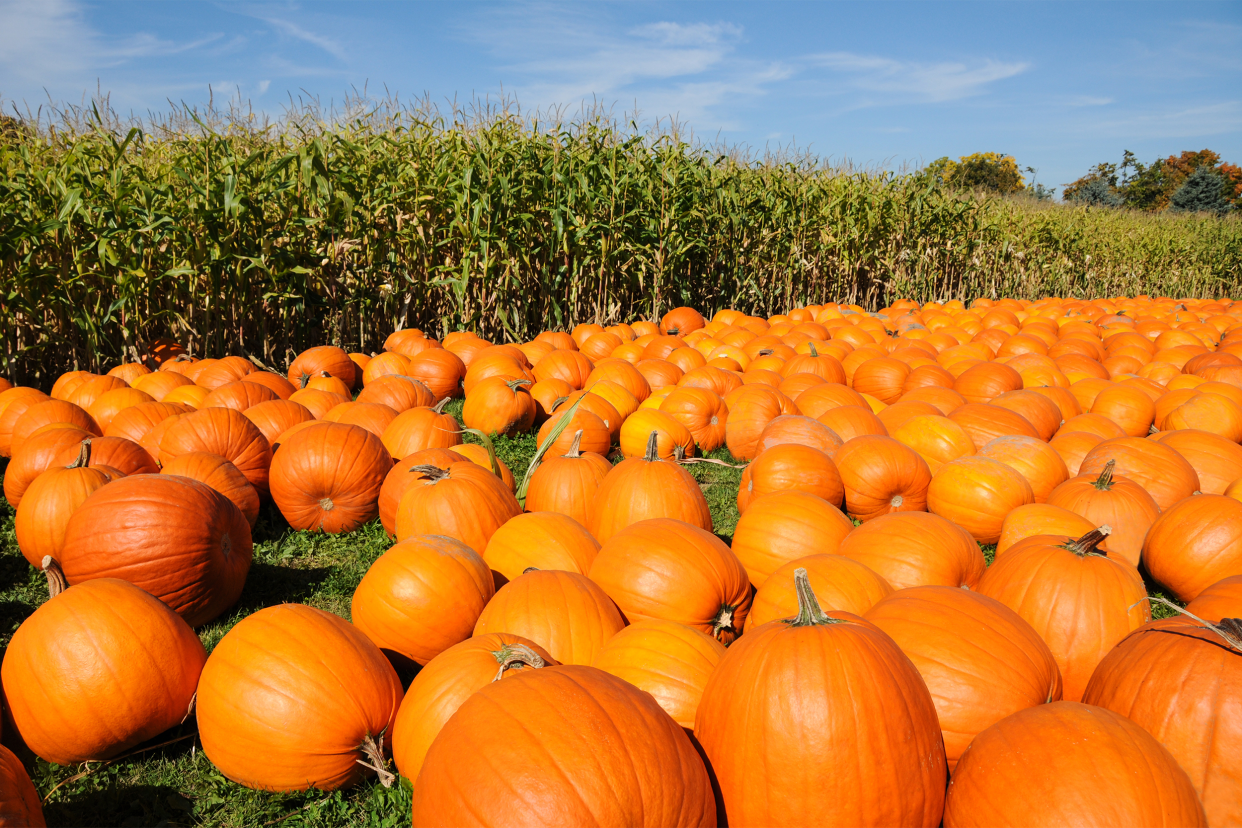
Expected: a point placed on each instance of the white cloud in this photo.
(293, 30)
(910, 81)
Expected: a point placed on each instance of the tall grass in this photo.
(237, 235)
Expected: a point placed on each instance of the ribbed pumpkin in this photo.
(275, 383)
(499, 406)
(787, 467)
(1069, 764)
(48, 412)
(936, 439)
(422, 596)
(324, 359)
(174, 537)
(48, 503)
(850, 421)
(225, 432)
(19, 801)
(881, 476)
(543, 540)
(1222, 599)
(642, 488)
(565, 613)
(1110, 500)
(400, 477)
(751, 408)
(1194, 544)
(327, 477)
(295, 698)
(276, 417)
(1045, 519)
(1159, 469)
(125, 456)
(916, 549)
(39, 454)
(609, 756)
(669, 570)
(980, 660)
(86, 393)
(670, 661)
(447, 681)
(1030, 457)
(464, 501)
(221, 475)
(239, 396)
(795, 428)
(839, 583)
(983, 382)
(99, 668)
(1182, 683)
(1128, 407)
(212, 374)
(136, 422)
(784, 526)
(398, 393)
(440, 370)
(816, 401)
(1078, 600)
(421, 428)
(673, 440)
(1039, 410)
(1209, 412)
(1216, 460)
(976, 493)
(584, 427)
(791, 695)
(374, 417)
(984, 423)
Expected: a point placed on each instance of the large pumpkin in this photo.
(642, 488)
(1182, 683)
(1032, 458)
(670, 661)
(48, 503)
(1159, 469)
(792, 697)
(607, 755)
(976, 493)
(19, 801)
(700, 410)
(1067, 763)
(980, 660)
(422, 596)
(174, 537)
(328, 476)
(1216, 460)
(39, 454)
(543, 540)
(1078, 600)
(1194, 544)
(402, 474)
(294, 698)
(464, 501)
(421, 428)
(398, 393)
(783, 526)
(1111, 500)
(99, 668)
(221, 475)
(563, 612)
(937, 439)
(881, 476)
(447, 681)
(1044, 519)
(666, 569)
(225, 432)
(751, 408)
(839, 583)
(324, 359)
(916, 549)
(1222, 599)
(790, 466)
(500, 406)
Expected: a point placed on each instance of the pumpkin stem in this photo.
(514, 655)
(1105, 481)
(514, 385)
(557, 403)
(305, 379)
(56, 581)
(679, 453)
(765, 352)
(575, 447)
(439, 407)
(373, 749)
(814, 352)
(429, 472)
(84, 456)
(189, 711)
(723, 623)
(653, 453)
(810, 614)
(1230, 629)
(1086, 545)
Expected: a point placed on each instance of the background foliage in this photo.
(237, 236)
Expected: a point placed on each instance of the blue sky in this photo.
(1061, 86)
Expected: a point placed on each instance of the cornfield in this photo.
(237, 236)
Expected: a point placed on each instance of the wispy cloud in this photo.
(901, 81)
(293, 30)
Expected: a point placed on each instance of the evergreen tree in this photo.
(1202, 192)
(1097, 193)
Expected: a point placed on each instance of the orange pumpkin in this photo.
(784, 526)
(1030, 457)
(1112, 500)
(790, 466)
(1216, 460)
(839, 583)
(398, 393)
(1159, 469)
(567, 484)
(19, 801)
(1195, 543)
(39, 454)
(439, 370)
(48, 503)
(976, 493)
(1222, 599)
(795, 428)
(276, 417)
(295, 698)
(1129, 408)
(543, 540)
(702, 412)
(911, 549)
(404, 473)
(136, 422)
(1073, 446)
(1044, 519)
(464, 501)
(225, 432)
(751, 408)
(275, 383)
(673, 440)
(882, 378)
(214, 471)
(499, 406)
(238, 396)
(421, 428)
(323, 359)
(881, 476)
(646, 487)
(984, 382)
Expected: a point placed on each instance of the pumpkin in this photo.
(984, 382)
(899, 412)
(1039, 410)
(881, 476)
(839, 583)
(318, 401)
(439, 370)
(1091, 424)
(670, 661)
(447, 681)
(499, 406)
(19, 801)
(702, 412)
(117, 453)
(609, 755)
(220, 372)
(39, 454)
(237, 395)
(542, 540)
(191, 396)
(1194, 544)
(225, 432)
(1073, 446)
(386, 364)
(221, 475)
(646, 487)
(945, 399)
(98, 669)
(1180, 681)
(936, 439)
(571, 366)
(1030, 457)
(276, 417)
(1063, 398)
(275, 383)
(49, 501)
(751, 408)
(174, 537)
(1067, 763)
(984, 423)
(790, 466)
(1045, 519)
(398, 393)
(816, 401)
(980, 660)
(1126, 406)
(1159, 469)
(791, 695)
(421, 428)
(1222, 599)
(1208, 412)
(681, 321)
(481, 456)
(567, 484)
(464, 501)
(1216, 460)
(422, 596)
(669, 570)
(565, 613)
(882, 378)
(399, 478)
(86, 394)
(850, 421)
(795, 428)
(62, 388)
(825, 366)
(976, 493)
(47, 412)
(1078, 600)
(597, 405)
(295, 698)
(911, 549)
(136, 422)
(784, 526)
(315, 362)
(1112, 500)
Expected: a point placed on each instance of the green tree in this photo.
(1202, 192)
(1098, 193)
